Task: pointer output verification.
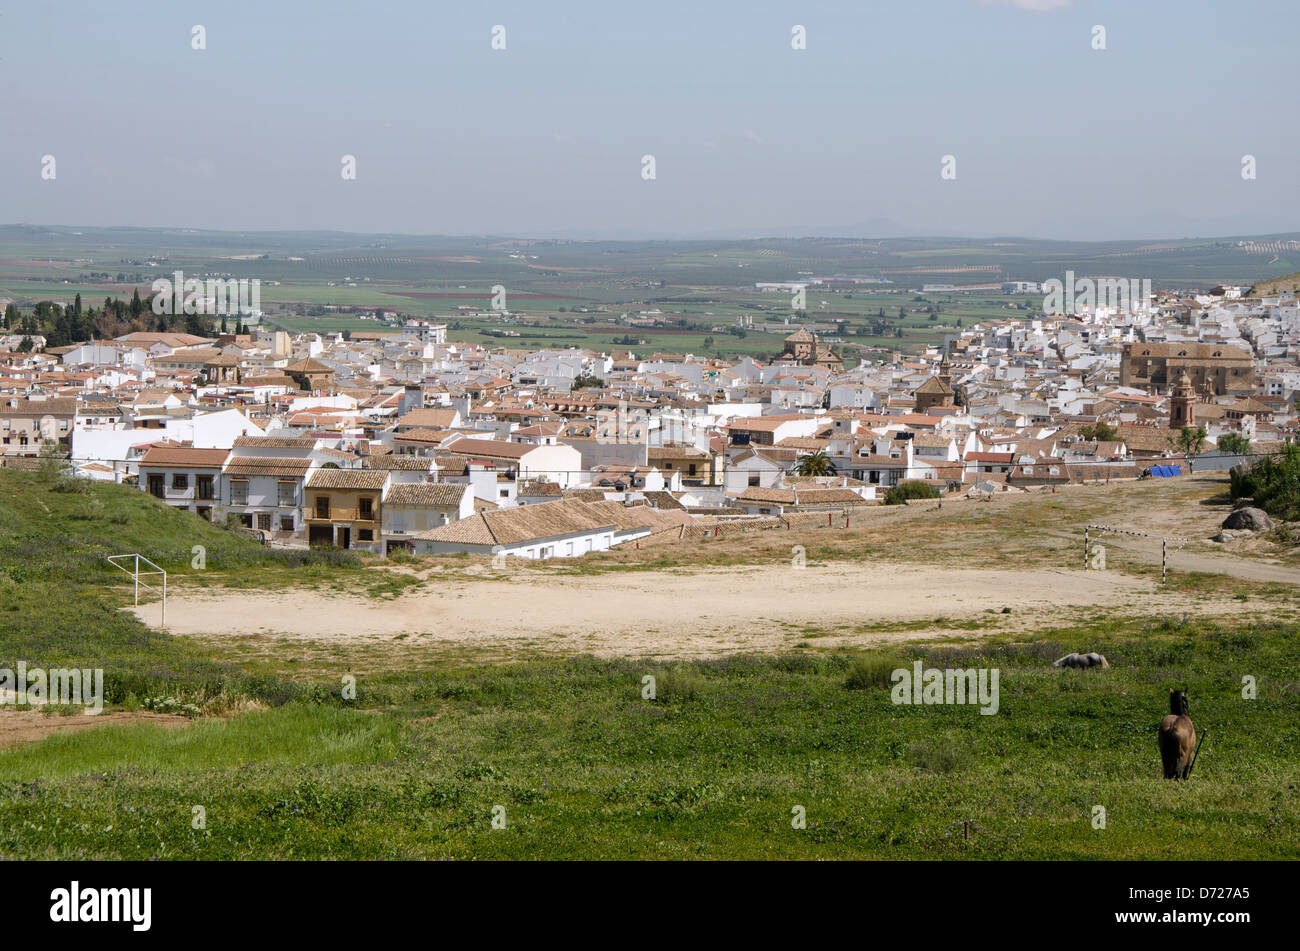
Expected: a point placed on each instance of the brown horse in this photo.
(1177, 737)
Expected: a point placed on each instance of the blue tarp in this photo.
(1164, 472)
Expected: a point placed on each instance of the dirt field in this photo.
(696, 612)
(967, 569)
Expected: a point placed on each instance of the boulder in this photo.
(1081, 661)
(1249, 518)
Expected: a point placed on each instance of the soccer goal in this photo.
(1094, 556)
(131, 565)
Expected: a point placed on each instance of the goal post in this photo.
(131, 565)
(1164, 545)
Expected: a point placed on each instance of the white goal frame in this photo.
(135, 573)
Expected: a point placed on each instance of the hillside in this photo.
(60, 599)
(1266, 288)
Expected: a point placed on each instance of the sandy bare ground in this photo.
(688, 612)
(28, 726)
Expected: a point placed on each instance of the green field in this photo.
(582, 764)
(697, 285)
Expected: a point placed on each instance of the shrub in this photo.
(1273, 482)
(868, 672)
(680, 683)
(938, 754)
(71, 483)
(904, 491)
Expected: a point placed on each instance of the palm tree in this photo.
(815, 464)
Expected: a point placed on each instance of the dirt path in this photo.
(28, 726)
(688, 612)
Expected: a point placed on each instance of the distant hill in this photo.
(1287, 282)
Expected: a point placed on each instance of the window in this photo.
(238, 491)
(286, 523)
(288, 493)
(180, 481)
(264, 521)
(366, 509)
(203, 486)
(156, 485)
(505, 493)
(365, 534)
(322, 506)
(246, 520)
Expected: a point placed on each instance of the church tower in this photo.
(1182, 404)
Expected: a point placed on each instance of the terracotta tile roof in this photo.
(189, 458)
(347, 479)
(274, 442)
(428, 418)
(423, 436)
(589, 495)
(393, 463)
(36, 408)
(267, 465)
(663, 500)
(488, 449)
(425, 493)
(523, 524)
(540, 488)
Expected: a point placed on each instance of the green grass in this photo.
(60, 599)
(587, 768)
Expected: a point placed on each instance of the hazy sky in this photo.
(1051, 137)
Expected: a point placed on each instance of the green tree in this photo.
(1102, 432)
(52, 460)
(1235, 443)
(1190, 440)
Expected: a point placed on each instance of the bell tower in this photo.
(1182, 404)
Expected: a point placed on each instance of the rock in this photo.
(1249, 518)
(1092, 659)
(1231, 535)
